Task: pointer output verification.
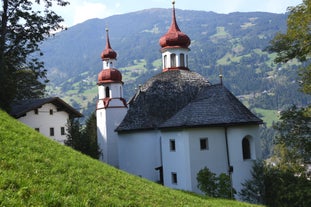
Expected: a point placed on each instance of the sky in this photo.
(81, 10)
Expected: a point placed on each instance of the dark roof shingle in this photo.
(214, 106)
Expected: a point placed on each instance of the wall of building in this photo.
(242, 167)
(176, 161)
(43, 121)
(107, 121)
(139, 154)
(214, 157)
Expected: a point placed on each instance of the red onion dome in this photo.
(108, 52)
(109, 76)
(174, 37)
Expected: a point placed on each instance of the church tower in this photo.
(111, 106)
(174, 47)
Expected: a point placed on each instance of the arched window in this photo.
(173, 60)
(107, 91)
(182, 60)
(165, 61)
(246, 148)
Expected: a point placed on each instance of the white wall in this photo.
(214, 158)
(44, 121)
(177, 161)
(107, 121)
(242, 168)
(139, 154)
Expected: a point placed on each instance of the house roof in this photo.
(22, 107)
(213, 106)
(181, 98)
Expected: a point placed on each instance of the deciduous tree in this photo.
(22, 29)
(296, 42)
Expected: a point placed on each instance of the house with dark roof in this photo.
(176, 124)
(48, 116)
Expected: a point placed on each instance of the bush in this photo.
(215, 186)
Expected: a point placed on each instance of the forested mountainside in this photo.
(234, 44)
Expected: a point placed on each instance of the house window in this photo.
(107, 90)
(36, 111)
(204, 144)
(173, 60)
(51, 131)
(51, 111)
(174, 178)
(246, 148)
(172, 145)
(182, 60)
(62, 130)
(37, 129)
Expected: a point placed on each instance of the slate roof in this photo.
(214, 106)
(181, 98)
(160, 98)
(22, 107)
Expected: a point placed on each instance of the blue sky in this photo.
(80, 10)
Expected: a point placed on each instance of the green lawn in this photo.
(36, 171)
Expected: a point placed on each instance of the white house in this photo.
(176, 124)
(48, 116)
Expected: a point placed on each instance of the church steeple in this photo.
(111, 106)
(174, 46)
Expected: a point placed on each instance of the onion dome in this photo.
(174, 37)
(108, 52)
(109, 76)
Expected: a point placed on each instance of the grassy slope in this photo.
(36, 171)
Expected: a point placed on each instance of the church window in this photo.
(174, 178)
(165, 60)
(172, 145)
(51, 111)
(107, 90)
(62, 130)
(51, 131)
(246, 148)
(182, 60)
(204, 143)
(173, 60)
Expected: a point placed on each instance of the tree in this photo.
(275, 186)
(83, 139)
(22, 29)
(253, 190)
(296, 42)
(294, 137)
(215, 186)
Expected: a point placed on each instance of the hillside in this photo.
(36, 171)
(234, 43)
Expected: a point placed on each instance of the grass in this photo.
(269, 116)
(36, 171)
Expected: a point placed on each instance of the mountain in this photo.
(37, 171)
(234, 44)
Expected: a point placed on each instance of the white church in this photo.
(176, 124)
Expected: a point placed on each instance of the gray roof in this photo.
(181, 98)
(214, 106)
(22, 107)
(160, 98)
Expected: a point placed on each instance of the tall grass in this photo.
(36, 171)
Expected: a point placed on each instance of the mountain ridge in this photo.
(232, 43)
